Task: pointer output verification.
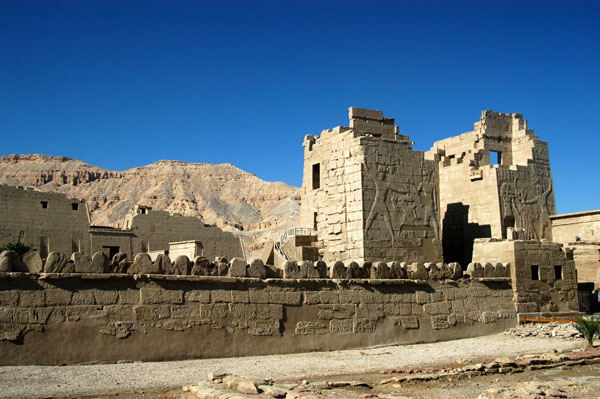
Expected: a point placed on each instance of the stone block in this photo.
(8, 261)
(397, 270)
(151, 312)
(81, 263)
(163, 263)
(257, 269)
(330, 297)
(9, 298)
(258, 296)
(55, 263)
(238, 268)
(489, 270)
(308, 270)
(57, 296)
(337, 270)
(240, 296)
(380, 271)
(181, 266)
(310, 328)
(353, 270)
(142, 264)
(201, 296)
(321, 268)
(433, 272)
(417, 271)
(106, 297)
(100, 263)
(223, 296)
(364, 270)
(311, 298)
(337, 326)
(409, 322)
(349, 296)
(33, 262)
(456, 270)
(291, 270)
(500, 270)
(365, 325)
(475, 270)
(285, 298)
(32, 298)
(439, 322)
(437, 308)
(160, 296)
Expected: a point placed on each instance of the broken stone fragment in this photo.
(257, 269)
(181, 267)
(142, 264)
(338, 270)
(100, 263)
(8, 261)
(163, 263)
(33, 261)
(237, 268)
(81, 263)
(55, 263)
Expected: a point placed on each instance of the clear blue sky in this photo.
(120, 84)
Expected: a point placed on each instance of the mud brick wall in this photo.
(74, 318)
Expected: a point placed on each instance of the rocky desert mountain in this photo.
(221, 194)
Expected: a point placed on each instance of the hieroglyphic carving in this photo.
(528, 205)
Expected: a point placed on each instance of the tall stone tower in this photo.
(368, 194)
(494, 181)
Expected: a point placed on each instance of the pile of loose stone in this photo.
(546, 330)
(532, 390)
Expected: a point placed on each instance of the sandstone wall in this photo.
(368, 195)
(543, 279)
(48, 221)
(512, 198)
(585, 225)
(71, 318)
(156, 229)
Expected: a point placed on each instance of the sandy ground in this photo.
(47, 381)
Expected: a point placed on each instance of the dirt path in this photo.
(45, 381)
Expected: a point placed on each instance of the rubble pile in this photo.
(546, 330)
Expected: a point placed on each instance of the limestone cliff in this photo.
(220, 194)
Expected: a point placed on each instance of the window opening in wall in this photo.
(315, 221)
(558, 272)
(535, 272)
(495, 158)
(75, 206)
(509, 222)
(111, 251)
(44, 204)
(316, 176)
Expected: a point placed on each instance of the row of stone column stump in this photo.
(57, 262)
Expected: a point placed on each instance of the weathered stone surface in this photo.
(456, 269)
(237, 268)
(417, 271)
(291, 270)
(475, 270)
(119, 263)
(352, 270)
(57, 263)
(397, 270)
(257, 269)
(81, 263)
(142, 264)
(181, 267)
(7, 260)
(308, 270)
(100, 263)
(163, 263)
(381, 270)
(321, 268)
(337, 270)
(33, 261)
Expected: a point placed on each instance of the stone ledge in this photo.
(492, 279)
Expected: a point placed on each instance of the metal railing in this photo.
(278, 249)
(295, 231)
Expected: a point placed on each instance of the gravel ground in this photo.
(45, 381)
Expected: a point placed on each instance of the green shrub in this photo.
(589, 327)
(18, 247)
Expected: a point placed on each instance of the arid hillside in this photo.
(220, 194)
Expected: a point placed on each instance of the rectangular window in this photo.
(316, 176)
(44, 204)
(74, 206)
(558, 272)
(315, 221)
(535, 272)
(495, 158)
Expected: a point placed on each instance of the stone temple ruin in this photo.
(394, 246)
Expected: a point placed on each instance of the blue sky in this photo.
(120, 84)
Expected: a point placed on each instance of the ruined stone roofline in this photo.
(13, 268)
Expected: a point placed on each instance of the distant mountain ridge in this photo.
(219, 194)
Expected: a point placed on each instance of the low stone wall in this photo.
(52, 318)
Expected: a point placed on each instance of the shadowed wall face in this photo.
(458, 234)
